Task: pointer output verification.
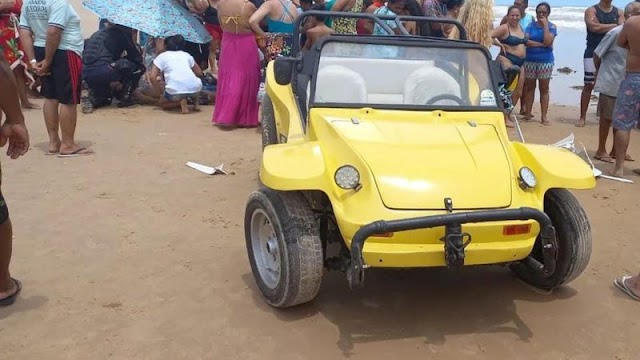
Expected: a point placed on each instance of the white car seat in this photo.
(427, 82)
(339, 84)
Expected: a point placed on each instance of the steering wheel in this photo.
(441, 97)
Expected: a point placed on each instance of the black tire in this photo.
(268, 121)
(298, 246)
(573, 232)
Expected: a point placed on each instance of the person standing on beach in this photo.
(15, 132)
(539, 61)
(56, 54)
(599, 18)
(626, 112)
(610, 60)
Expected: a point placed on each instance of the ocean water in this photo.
(569, 45)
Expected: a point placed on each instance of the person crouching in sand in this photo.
(626, 111)
(181, 74)
(317, 29)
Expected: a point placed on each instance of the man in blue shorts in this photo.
(51, 35)
(626, 112)
(599, 19)
(15, 132)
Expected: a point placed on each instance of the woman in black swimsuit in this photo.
(511, 38)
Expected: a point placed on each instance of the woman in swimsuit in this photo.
(511, 38)
(238, 67)
(280, 16)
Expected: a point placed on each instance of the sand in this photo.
(129, 254)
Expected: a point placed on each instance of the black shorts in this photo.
(64, 82)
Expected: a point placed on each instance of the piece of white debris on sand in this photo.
(208, 169)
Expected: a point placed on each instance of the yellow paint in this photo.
(409, 161)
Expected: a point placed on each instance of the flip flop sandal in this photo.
(626, 158)
(607, 159)
(12, 298)
(619, 283)
(76, 153)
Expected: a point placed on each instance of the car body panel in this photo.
(409, 161)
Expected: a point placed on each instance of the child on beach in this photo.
(317, 28)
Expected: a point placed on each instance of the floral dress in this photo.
(348, 25)
(10, 45)
(9, 41)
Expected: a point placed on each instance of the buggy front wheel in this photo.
(573, 234)
(284, 247)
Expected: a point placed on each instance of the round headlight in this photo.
(347, 177)
(527, 177)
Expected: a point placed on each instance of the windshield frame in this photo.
(402, 41)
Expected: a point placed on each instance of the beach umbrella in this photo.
(158, 18)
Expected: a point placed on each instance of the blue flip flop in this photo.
(12, 298)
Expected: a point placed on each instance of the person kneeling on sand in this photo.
(181, 76)
(626, 112)
(610, 60)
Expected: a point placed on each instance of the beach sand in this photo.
(130, 254)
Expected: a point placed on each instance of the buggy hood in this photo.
(416, 165)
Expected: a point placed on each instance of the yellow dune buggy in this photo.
(392, 152)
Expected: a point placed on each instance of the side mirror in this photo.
(283, 69)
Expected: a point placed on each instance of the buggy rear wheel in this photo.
(573, 234)
(284, 247)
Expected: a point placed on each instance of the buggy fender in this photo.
(304, 168)
(555, 167)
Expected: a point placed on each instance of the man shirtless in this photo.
(317, 29)
(626, 112)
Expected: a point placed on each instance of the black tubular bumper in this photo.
(455, 240)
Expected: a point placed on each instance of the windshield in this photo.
(377, 74)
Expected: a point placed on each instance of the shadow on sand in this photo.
(427, 303)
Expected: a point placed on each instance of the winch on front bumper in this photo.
(455, 241)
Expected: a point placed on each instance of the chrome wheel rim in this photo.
(266, 251)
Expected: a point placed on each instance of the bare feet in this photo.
(54, 147)
(616, 173)
(508, 123)
(603, 157)
(580, 123)
(545, 122)
(184, 107)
